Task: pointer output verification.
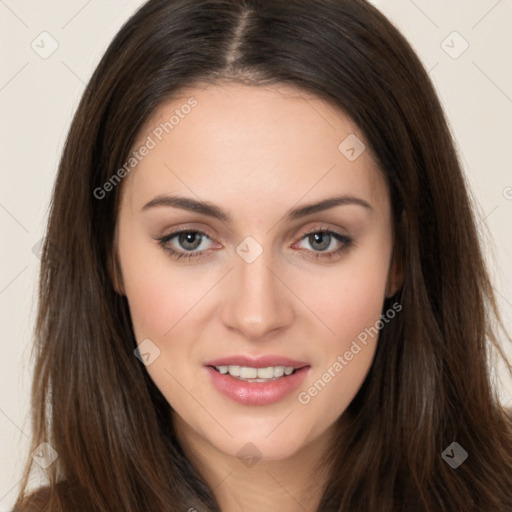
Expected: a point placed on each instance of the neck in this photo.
(249, 484)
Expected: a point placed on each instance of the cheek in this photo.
(347, 355)
(350, 304)
(351, 299)
(153, 304)
(159, 293)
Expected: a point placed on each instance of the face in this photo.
(228, 267)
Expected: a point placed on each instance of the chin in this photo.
(249, 448)
(266, 439)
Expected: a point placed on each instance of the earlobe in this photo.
(115, 274)
(396, 274)
(396, 268)
(392, 287)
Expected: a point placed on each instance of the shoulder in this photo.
(35, 501)
(68, 497)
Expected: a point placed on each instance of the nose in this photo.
(257, 299)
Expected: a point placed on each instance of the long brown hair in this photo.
(429, 384)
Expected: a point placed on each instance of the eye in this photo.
(322, 240)
(189, 240)
(189, 243)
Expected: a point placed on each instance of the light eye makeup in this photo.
(324, 244)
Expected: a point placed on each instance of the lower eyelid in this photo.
(344, 240)
(172, 236)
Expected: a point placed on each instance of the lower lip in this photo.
(256, 393)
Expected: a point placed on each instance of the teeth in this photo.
(279, 371)
(246, 372)
(234, 370)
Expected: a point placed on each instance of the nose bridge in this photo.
(258, 303)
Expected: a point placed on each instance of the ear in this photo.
(114, 269)
(396, 273)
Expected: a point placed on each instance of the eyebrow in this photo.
(211, 210)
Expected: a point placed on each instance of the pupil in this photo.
(318, 237)
(185, 238)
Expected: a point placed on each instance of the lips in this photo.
(257, 393)
(257, 362)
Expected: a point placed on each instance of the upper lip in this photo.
(257, 362)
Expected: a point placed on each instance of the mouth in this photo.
(252, 374)
(257, 381)
(261, 369)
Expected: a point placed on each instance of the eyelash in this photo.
(187, 255)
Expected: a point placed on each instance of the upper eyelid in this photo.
(173, 234)
(313, 230)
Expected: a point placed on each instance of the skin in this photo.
(256, 152)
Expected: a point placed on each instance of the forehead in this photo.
(276, 142)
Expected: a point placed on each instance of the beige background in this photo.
(39, 95)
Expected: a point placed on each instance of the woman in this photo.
(254, 295)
